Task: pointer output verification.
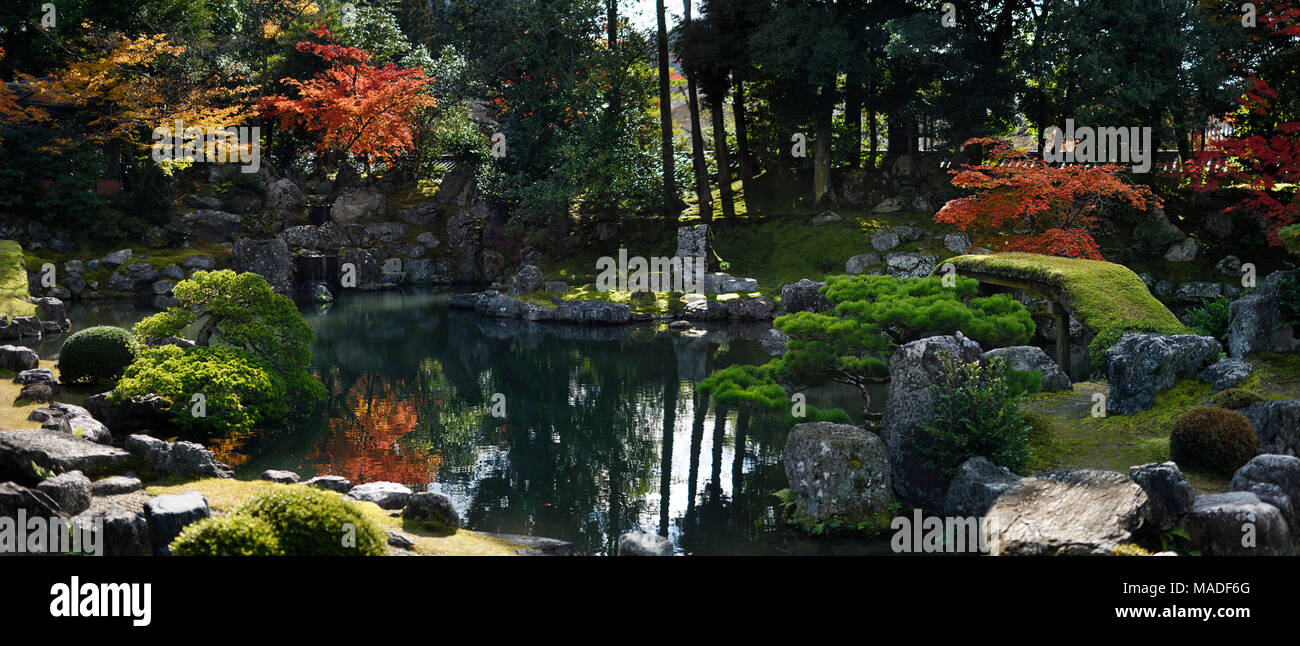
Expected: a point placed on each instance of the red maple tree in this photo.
(354, 105)
(1025, 204)
(1260, 158)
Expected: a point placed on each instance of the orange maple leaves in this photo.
(354, 106)
(1025, 204)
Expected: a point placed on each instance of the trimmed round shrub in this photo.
(313, 522)
(229, 535)
(1235, 398)
(96, 354)
(1216, 439)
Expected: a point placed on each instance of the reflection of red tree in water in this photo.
(365, 445)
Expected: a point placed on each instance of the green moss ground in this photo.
(1066, 435)
(225, 495)
(13, 281)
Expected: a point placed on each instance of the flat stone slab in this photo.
(59, 452)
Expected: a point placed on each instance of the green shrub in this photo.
(1216, 439)
(1235, 398)
(975, 414)
(1107, 337)
(1024, 382)
(239, 391)
(241, 311)
(312, 522)
(1211, 318)
(1288, 299)
(96, 354)
(229, 535)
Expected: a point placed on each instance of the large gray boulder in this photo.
(389, 495)
(168, 515)
(693, 241)
(860, 263)
(1029, 357)
(125, 532)
(642, 544)
(115, 485)
(589, 312)
(280, 476)
(458, 187)
(33, 502)
(1063, 513)
(1225, 373)
(527, 280)
(703, 309)
(358, 207)
(1276, 480)
(910, 265)
(283, 194)
(18, 358)
(69, 418)
(387, 232)
(837, 470)
(182, 459)
(311, 238)
(1238, 523)
(210, 225)
(1170, 493)
(914, 372)
(884, 240)
(333, 483)
(1277, 425)
(804, 296)
(268, 257)
(432, 508)
(1141, 363)
(150, 411)
(756, 308)
(70, 490)
(976, 486)
(59, 452)
(1255, 320)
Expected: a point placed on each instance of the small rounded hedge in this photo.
(286, 521)
(96, 354)
(1216, 439)
(229, 535)
(1235, 398)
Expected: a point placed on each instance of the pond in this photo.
(603, 431)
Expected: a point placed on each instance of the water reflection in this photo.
(603, 430)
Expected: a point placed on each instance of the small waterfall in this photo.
(317, 274)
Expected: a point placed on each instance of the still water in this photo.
(603, 431)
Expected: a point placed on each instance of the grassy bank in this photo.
(225, 495)
(1066, 435)
(13, 281)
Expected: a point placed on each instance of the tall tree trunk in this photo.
(611, 32)
(872, 126)
(666, 119)
(853, 117)
(720, 155)
(742, 145)
(822, 153)
(702, 192)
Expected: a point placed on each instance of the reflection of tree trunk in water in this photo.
(615, 511)
(738, 460)
(719, 435)
(697, 437)
(666, 462)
